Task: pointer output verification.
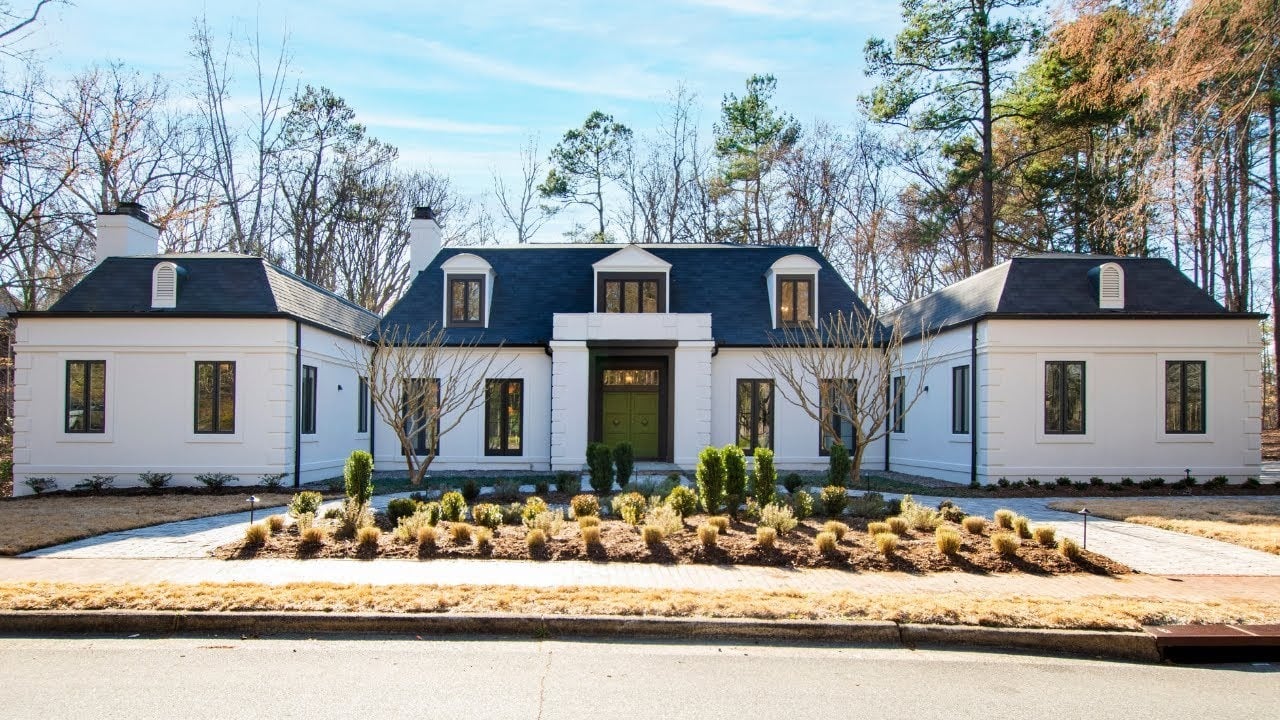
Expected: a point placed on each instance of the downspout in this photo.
(550, 420)
(297, 403)
(888, 421)
(373, 422)
(973, 405)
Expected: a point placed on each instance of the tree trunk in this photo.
(1274, 177)
(988, 184)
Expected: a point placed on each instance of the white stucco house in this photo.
(1043, 367)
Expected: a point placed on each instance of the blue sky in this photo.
(458, 86)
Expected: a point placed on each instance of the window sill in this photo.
(214, 439)
(960, 440)
(1188, 438)
(1044, 439)
(85, 438)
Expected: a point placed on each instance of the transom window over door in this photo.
(503, 417)
(466, 300)
(755, 414)
(86, 400)
(215, 397)
(795, 299)
(1184, 407)
(1064, 398)
(631, 293)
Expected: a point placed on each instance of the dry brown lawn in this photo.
(1253, 522)
(36, 522)
(1099, 612)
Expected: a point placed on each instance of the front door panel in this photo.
(632, 417)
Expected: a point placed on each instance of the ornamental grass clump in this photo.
(313, 536)
(460, 533)
(275, 524)
(409, 528)
(766, 537)
(536, 540)
(550, 522)
(1005, 543)
(652, 534)
(588, 521)
(898, 525)
(590, 536)
(367, 537)
(877, 528)
(825, 543)
(918, 516)
(665, 518)
(256, 534)
(778, 517)
(1004, 519)
(708, 535)
(584, 506)
(1022, 527)
(426, 538)
(834, 499)
(1068, 549)
(974, 525)
(720, 522)
(837, 528)
(1045, 535)
(948, 540)
(682, 500)
(484, 540)
(886, 543)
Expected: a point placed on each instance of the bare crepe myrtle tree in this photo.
(422, 386)
(850, 360)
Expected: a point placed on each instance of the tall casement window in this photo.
(362, 409)
(839, 400)
(1064, 397)
(960, 400)
(900, 404)
(755, 414)
(466, 300)
(503, 417)
(308, 410)
(421, 400)
(86, 396)
(1184, 411)
(215, 397)
(795, 299)
(631, 293)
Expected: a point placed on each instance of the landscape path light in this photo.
(1085, 542)
(253, 502)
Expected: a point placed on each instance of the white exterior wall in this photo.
(927, 446)
(1124, 399)
(150, 397)
(337, 389)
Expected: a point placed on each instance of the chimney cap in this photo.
(424, 212)
(131, 208)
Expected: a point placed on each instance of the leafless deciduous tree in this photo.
(841, 372)
(520, 204)
(423, 387)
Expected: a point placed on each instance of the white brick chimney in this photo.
(126, 231)
(425, 240)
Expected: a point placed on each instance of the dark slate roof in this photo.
(1060, 285)
(533, 282)
(214, 284)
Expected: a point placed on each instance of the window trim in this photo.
(310, 390)
(448, 294)
(1182, 398)
(1084, 396)
(362, 405)
(504, 425)
(899, 412)
(754, 439)
(217, 397)
(960, 400)
(602, 278)
(823, 405)
(66, 397)
(811, 281)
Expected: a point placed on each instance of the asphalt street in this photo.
(392, 677)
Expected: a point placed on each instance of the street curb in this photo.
(1116, 645)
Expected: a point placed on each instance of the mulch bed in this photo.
(916, 553)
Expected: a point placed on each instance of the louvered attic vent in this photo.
(1111, 287)
(164, 286)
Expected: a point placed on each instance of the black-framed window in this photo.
(420, 399)
(839, 402)
(1184, 393)
(900, 404)
(86, 396)
(795, 299)
(960, 400)
(362, 405)
(1064, 397)
(755, 414)
(466, 300)
(504, 417)
(631, 293)
(215, 410)
(310, 375)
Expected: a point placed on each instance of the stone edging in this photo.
(1116, 645)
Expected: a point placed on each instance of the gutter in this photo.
(297, 403)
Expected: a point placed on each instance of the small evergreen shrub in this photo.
(682, 500)
(512, 513)
(1126, 482)
(568, 482)
(630, 507)
(1252, 483)
(487, 515)
(1080, 486)
(506, 490)
(536, 541)
(750, 510)
(484, 540)
(833, 499)
(256, 534)
(533, 507)
(1063, 481)
(1068, 549)
(974, 525)
(313, 536)
(305, 502)
(898, 525)
(453, 506)
(708, 535)
(778, 517)
(357, 475)
(40, 485)
(877, 528)
(1217, 483)
(584, 505)
(367, 537)
(764, 477)
(600, 462)
(155, 480)
(825, 543)
(591, 536)
(950, 512)
(711, 479)
(1045, 535)
(471, 490)
(735, 477)
(802, 504)
(1096, 481)
(766, 537)
(400, 507)
(1032, 482)
(624, 462)
(868, 505)
(271, 481)
(665, 518)
(792, 482)
(96, 483)
(886, 543)
(275, 523)
(652, 534)
(354, 516)
(541, 486)
(215, 481)
(1003, 482)
(918, 516)
(410, 527)
(434, 513)
(460, 533)
(1005, 543)
(838, 465)
(426, 539)
(1004, 519)
(947, 540)
(837, 528)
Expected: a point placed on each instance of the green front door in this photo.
(632, 416)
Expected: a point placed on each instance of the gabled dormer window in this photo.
(466, 300)
(795, 300)
(631, 293)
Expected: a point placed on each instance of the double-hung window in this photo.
(795, 299)
(215, 397)
(960, 400)
(86, 396)
(1184, 407)
(755, 414)
(503, 417)
(466, 300)
(839, 402)
(1064, 397)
